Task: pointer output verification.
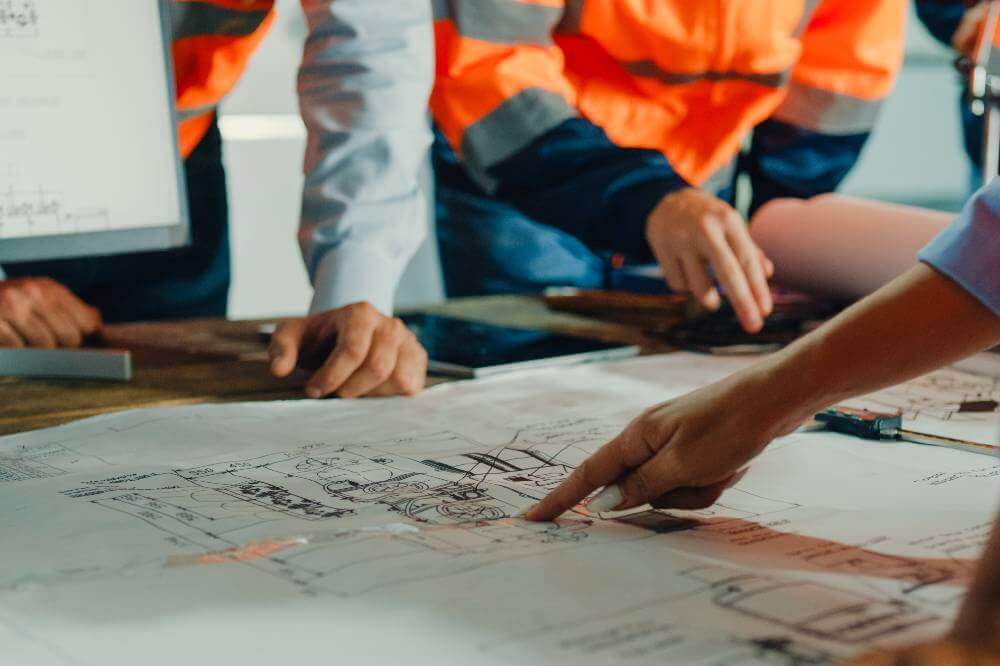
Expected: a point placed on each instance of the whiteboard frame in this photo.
(119, 241)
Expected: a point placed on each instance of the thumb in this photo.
(285, 344)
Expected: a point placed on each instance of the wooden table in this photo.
(203, 361)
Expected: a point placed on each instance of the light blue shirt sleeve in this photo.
(366, 76)
(968, 251)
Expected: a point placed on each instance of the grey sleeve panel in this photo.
(366, 77)
(827, 112)
(510, 128)
(502, 21)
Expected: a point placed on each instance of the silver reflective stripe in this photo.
(572, 18)
(722, 178)
(189, 114)
(827, 112)
(504, 21)
(808, 9)
(441, 9)
(650, 70)
(201, 19)
(509, 128)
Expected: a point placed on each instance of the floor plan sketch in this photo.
(19, 19)
(330, 520)
(945, 394)
(947, 399)
(770, 620)
(842, 616)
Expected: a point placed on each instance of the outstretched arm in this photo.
(364, 85)
(681, 454)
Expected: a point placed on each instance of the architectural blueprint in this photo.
(387, 532)
(948, 402)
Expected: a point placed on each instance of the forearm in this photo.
(978, 623)
(919, 322)
(364, 84)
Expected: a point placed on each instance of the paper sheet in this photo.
(381, 532)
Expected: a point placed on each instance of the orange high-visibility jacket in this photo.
(690, 78)
(213, 41)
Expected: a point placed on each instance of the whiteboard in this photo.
(89, 161)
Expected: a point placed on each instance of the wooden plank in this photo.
(211, 361)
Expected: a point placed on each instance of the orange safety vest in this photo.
(213, 41)
(689, 78)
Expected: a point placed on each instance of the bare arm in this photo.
(978, 624)
(681, 454)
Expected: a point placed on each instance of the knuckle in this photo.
(33, 290)
(707, 223)
(365, 310)
(641, 487)
(408, 383)
(380, 369)
(8, 300)
(398, 328)
(354, 350)
(587, 474)
(649, 435)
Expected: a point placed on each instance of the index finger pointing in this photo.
(604, 467)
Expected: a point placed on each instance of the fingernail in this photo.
(524, 512)
(313, 392)
(605, 500)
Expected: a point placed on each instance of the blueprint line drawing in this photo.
(844, 616)
(215, 507)
(945, 395)
(344, 523)
(19, 19)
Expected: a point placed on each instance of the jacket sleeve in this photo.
(502, 101)
(852, 51)
(941, 17)
(366, 75)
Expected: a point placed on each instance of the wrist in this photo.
(666, 209)
(793, 382)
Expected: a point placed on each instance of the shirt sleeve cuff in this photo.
(967, 250)
(352, 273)
(631, 209)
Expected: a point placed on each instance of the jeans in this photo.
(181, 283)
(489, 247)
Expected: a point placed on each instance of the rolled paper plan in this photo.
(841, 246)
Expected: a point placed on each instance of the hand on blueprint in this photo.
(690, 230)
(683, 453)
(354, 351)
(39, 312)
(938, 653)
